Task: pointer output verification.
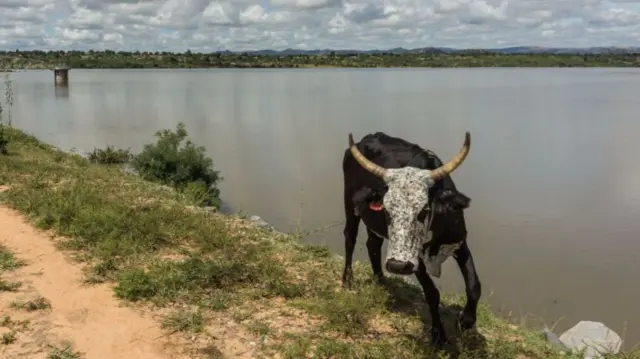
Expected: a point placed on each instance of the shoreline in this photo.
(157, 249)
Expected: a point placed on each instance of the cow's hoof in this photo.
(347, 284)
(380, 280)
(438, 337)
(466, 321)
(347, 279)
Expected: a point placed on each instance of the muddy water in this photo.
(552, 171)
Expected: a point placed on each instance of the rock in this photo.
(201, 209)
(594, 336)
(553, 339)
(261, 222)
(226, 208)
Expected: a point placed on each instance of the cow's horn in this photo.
(363, 161)
(455, 161)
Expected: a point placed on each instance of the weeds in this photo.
(6, 321)
(110, 156)
(184, 321)
(38, 303)
(9, 286)
(156, 250)
(8, 337)
(8, 261)
(65, 352)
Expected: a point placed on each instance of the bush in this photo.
(110, 156)
(3, 140)
(185, 167)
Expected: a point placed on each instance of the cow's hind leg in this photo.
(374, 248)
(473, 288)
(350, 237)
(432, 296)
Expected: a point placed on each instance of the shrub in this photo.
(184, 167)
(110, 156)
(3, 140)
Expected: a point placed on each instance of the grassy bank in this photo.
(210, 273)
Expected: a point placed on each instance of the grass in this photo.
(38, 303)
(8, 338)
(184, 321)
(9, 286)
(64, 352)
(8, 262)
(158, 250)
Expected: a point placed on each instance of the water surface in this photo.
(552, 174)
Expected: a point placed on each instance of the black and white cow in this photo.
(405, 194)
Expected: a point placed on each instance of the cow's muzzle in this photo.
(400, 267)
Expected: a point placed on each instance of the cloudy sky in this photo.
(206, 25)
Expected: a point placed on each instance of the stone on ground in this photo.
(595, 337)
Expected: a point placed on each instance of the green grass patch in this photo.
(65, 351)
(185, 321)
(8, 337)
(38, 303)
(156, 248)
(6, 286)
(8, 262)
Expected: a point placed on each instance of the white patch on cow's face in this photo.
(406, 197)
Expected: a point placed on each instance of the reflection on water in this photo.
(552, 171)
(61, 92)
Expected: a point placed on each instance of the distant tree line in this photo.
(470, 58)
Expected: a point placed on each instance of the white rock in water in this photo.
(595, 336)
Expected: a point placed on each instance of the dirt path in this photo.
(87, 316)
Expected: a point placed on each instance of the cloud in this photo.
(205, 25)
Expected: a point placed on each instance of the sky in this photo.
(240, 25)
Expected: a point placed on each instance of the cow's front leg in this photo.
(463, 257)
(432, 296)
(374, 248)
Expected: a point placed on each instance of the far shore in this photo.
(417, 59)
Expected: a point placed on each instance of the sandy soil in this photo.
(89, 317)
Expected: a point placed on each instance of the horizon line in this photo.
(523, 47)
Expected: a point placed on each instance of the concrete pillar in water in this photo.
(61, 75)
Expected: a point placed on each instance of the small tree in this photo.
(5, 113)
(185, 168)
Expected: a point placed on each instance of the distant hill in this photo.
(446, 50)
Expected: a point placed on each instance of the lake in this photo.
(555, 185)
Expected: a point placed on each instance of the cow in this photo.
(404, 193)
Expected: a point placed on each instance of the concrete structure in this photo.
(61, 75)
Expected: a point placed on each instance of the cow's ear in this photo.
(376, 206)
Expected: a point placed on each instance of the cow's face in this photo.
(406, 197)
